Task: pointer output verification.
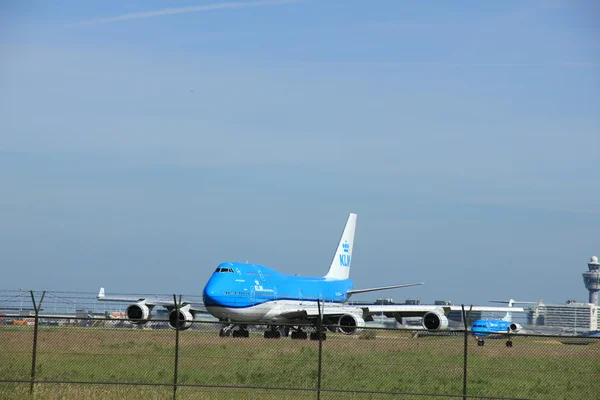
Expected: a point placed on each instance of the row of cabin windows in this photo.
(276, 295)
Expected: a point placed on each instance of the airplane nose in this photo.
(210, 293)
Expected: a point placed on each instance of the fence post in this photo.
(177, 307)
(466, 322)
(37, 309)
(320, 333)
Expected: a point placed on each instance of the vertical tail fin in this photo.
(340, 266)
(508, 316)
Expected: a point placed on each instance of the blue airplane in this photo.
(498, 328)
(242, 294)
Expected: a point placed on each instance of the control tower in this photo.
(591, 279)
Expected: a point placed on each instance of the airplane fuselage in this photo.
(487, 327)
(251, 292)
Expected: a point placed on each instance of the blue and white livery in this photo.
(240, 294)
(497, 328)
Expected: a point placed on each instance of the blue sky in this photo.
(144, 142)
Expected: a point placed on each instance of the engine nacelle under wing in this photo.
(350, 324)
(181, 322)
(515, 327)
(138, 313)
(433, 321)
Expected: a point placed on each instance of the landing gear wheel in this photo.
(224, 332)
(480, 342)
(241, 333)
(270, 334)
(509, 343)
(299, 335)
(315, 336)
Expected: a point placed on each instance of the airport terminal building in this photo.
(572, 316)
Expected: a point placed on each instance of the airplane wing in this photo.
(167, 303)
(354, 291)
(434, 317)
(422, 310)
(350, 317)
(389, 310)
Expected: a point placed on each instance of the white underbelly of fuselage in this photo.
(268, 312)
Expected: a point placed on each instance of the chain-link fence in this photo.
(59, 357)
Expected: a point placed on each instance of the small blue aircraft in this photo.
(241, 294)
(498, 328)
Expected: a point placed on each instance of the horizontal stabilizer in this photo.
(508, 316)
(511, 302)
(354, 291)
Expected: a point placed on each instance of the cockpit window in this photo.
(224, 270)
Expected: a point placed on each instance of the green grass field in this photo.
(394, 361)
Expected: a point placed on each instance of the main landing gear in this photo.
(299, 334)
(242, 332)
(273, 332)
(481, 342)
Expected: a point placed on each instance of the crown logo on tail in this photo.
(346, 247)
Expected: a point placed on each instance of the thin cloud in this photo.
(451, 64)
(191, 9)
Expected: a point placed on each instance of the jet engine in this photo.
(138, 313)
(184, 321)
(350, 324)
(435, 322)
(515, 327)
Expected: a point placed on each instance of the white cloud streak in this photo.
(583, 64)
(191, 9)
